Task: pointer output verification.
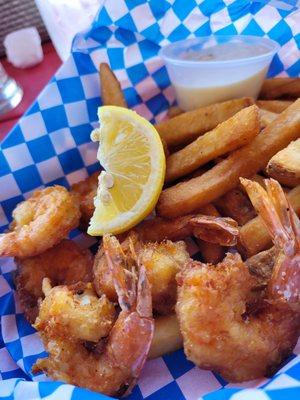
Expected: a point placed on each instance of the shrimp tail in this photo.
(144, 299)
(284, 227)
(276, 213)
(124, 280)
(223, 231)
(130, 339)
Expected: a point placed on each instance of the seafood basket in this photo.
(51, 145)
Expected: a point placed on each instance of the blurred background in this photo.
(40, 53)
(36, 37)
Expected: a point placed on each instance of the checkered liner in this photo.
(51, 145)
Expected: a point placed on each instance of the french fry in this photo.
(174, 111)
(254, 237)
(285, 165)
(198, 172)
(211, 252)
(278, 87)
(209, 209)
(186, 197)
(256, 178)
(188, 126)
(236, 204)
(111, 92)
(266, 117)
(275, 106)
(167, 337)
(227, 136)
(165, 146)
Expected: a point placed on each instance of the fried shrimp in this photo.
(86, 191)
(162, 262)
(40, 222)
(75, 311)
(164, 259)
(226, 325)
(64, 264)
(113, 366)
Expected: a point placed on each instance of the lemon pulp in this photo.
(132, 155)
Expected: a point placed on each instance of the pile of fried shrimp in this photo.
(232, 190)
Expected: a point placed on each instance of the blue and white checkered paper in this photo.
(51, 145)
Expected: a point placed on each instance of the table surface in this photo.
(32, 80)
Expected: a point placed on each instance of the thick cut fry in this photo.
(198, 172)
(266, 117)
(188, 126)
(278, 87)
(174, 111)
(236, 204)
(209, 209)
(186, 197)
(165, 146)
(285, 165)
(256, 178)
(275, 106)
(254, 237)
(227, 136)
(211, 252)
(111, 92)
(167, 337)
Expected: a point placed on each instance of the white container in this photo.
(215, 68)
(23, 47)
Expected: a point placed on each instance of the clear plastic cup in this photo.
(216, 68)
(10, 92)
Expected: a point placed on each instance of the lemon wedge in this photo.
(132, 155)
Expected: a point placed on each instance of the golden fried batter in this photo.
(162, 262)
(114, 364)
(66, 263)
(40, 222)
(86, 191)
(163, 259)
(227, 324)
(75, 312)
(218, 332)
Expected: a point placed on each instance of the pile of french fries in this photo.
(208, 150)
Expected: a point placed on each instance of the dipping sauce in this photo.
(217, 68)
(190, 97)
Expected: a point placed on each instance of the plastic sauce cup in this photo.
(216, 68)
